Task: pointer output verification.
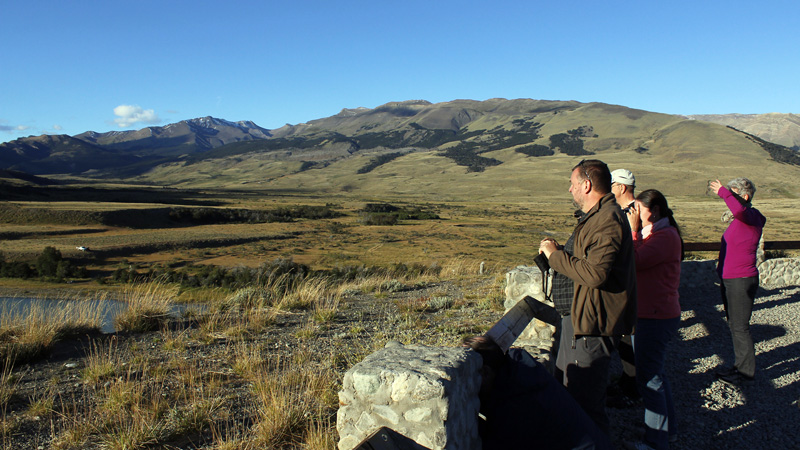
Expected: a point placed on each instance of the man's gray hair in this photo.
(743, 186)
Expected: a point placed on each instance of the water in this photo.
(106, 310)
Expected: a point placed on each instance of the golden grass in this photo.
(148, 305)
(287, 398)
(27, 335)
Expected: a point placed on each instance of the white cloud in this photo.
(128, 115)
(21, 127)
(58, 127)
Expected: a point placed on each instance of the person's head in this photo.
(742, 187)
(589, 182)
(653, 207)
(493, 359)
(623, 184)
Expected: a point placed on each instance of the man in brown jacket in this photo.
(602, 266)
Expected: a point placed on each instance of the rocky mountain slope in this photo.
(783, 129)
(186, 136)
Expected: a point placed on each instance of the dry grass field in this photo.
(501, 234)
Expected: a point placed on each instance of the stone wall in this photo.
(779, 272)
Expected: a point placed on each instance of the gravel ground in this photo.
(712, 415)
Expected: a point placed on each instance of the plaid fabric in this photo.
(563, 287)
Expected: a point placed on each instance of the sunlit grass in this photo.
(148, 305)
(28, 334)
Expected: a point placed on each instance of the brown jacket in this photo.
(604, 271)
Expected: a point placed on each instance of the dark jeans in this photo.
(585, 369)
(738, 295)
(650, 348)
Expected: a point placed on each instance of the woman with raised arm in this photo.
(739, 274)
(658, 250)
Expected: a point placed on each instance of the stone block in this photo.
(427, 394)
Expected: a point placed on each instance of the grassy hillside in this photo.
(675, 156)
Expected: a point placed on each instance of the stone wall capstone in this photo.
(427, 394)
(537, 338)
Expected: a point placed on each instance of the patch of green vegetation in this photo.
(535, 150)
(49, 265)
(570, 143)
(205, 216)
(465, 157)
(387, 214)
(379, 161)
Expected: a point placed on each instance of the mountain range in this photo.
(442, 149)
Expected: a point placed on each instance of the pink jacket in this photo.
(658, 271)
(737, 255)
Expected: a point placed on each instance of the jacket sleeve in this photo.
(594, 268)
(657, 248)
(739, 211)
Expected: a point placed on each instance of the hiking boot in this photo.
(726, 372)
(735, 379)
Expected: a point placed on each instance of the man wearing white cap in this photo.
(624, 393)
(622, 185)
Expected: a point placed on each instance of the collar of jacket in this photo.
(603, 201)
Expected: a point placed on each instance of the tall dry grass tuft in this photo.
(248, 360)
(458, 267)
(289, 398)
(27, 338)
(103, 361)
(148, 306)
(29, 333)
(321, 435)
(8, 388)
(326, 307)
(303, 294)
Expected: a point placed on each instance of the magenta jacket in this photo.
(658, 271)
(737, 255)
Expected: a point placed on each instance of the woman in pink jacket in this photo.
(658, 251)
(739, 274)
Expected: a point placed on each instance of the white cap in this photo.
(623, 176)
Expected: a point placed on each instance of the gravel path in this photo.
(712, 415)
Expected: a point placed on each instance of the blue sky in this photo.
(74, 66)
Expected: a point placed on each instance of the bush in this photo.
(47, 262)
(16, 269)
(379, 219)
(535, 150)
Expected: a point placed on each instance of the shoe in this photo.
(636, 445)
(735, 379)
(726, 372)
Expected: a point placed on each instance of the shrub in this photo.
(535, 150)
(47, 262)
